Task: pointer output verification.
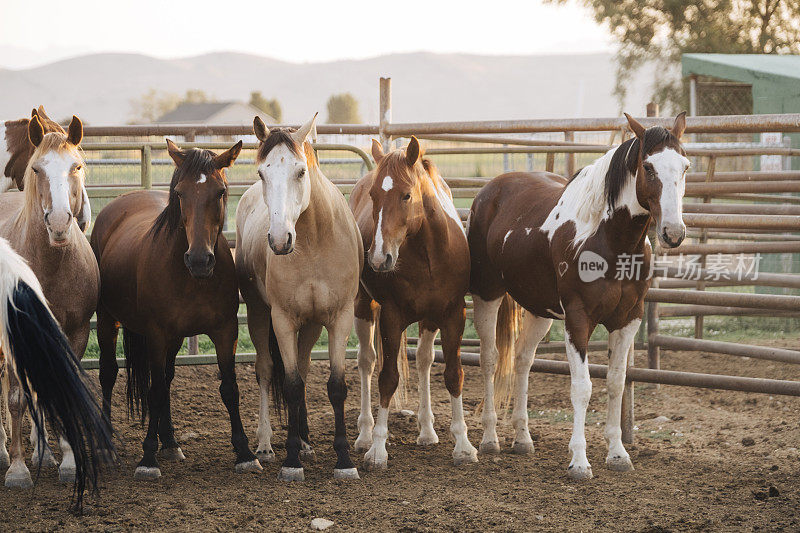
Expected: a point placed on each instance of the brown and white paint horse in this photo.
(41, 226)
(16, 150)
(298, 259)
(532, 235)
(418, 272)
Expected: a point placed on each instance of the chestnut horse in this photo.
(41, 226)
(298, 257)
(167, 273)
(48, 377)
(559, 248)
(418, 272)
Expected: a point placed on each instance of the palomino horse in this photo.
(16, 150)
(418, 272)
(553, 246)
(45, 375)
(167, 273)
(298, 257)
(40, 225)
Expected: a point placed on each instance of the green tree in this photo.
(343, 109)
(659, 31)
(269, 106)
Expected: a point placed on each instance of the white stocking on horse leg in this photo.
(5, 461)
(427, 435)
(66, 472)
(264, 451)
(18, 476)
(485, 324)
(377, 458)
(620, 343)
(464, 452)
(47, 458)
(533, 331)
(580, 392)
(366, 366)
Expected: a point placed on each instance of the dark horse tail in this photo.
(278, 377)
(137, 371)
(55, 386)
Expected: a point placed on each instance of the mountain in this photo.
(426, 86)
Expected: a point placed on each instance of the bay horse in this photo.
(40, 225)
(16, 150)
(554, 247)
(298, 259)
(418, 271)
(44, 375)
(167, 273)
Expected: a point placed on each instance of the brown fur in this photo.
(20, 147)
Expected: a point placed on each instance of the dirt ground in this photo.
(725, 461)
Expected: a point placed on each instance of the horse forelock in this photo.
(52, 142)
(276, 137)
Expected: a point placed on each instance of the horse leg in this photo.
(258, 322)
(365, 330)
(170, 450)
(41, 458)
(5, 460)
(534, 329)
(486, 325)
(427, 334)
(391, 330)
(306, 338)
(576, 339)
(452, 331)
(620, 342)
(148, 467)
(338, 333)
(107, 332)
(18, 476)
(224, 341)
(293, 392)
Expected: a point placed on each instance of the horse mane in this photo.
(197, 162)
(20, 147)
(278, 136)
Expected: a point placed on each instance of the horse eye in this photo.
(407, 197)
(301, 173)
(220, 194)
(78, 168)
(36, 171)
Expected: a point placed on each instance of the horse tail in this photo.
(506, 331)
(401, 393)
(54, 384)
(137, 371)
(278, 377)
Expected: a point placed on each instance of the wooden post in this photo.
(192, 345)
(385, 111)
(627, 418)
(569, 136)
(147, 177)
(701, 285)
(653, 351)
(652, 109)
(550, 164)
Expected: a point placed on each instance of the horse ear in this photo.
(175, 153)
(413, 152)
(260, 129)
(226, 159)
(35, 131)
(377, 150)
(309, 128)
(637, 128)
(34, 112)
(75, 132)
(41, 113)
(680, 125)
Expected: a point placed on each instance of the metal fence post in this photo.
(147, 177)
(385, 110)
(569, 162)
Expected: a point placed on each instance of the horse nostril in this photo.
(289, 241)
(47, 217)
(388, 261)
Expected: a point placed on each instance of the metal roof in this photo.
(745, 68)
(188, 112)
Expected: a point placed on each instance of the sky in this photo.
(35, 33)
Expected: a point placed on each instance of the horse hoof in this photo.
(428, 440)
(522, 448)
(372, 462)
(248, 466)
(345, 473)
(619, 464)
(66, 475)
(19, 480)
(465, 457)
(47, 460)
(147, 473)
(579, 472)
(288, 473)
(489, 447)
(172, 454)
(265, 456)
(362, 446)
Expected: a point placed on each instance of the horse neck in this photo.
(318, 218)
(626, 234)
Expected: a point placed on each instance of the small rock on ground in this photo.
(321, 524)
(748, 441)
(661, 419)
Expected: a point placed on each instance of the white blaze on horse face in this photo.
(59, 169)
(670, 168)
(287, 193)
(378, 255)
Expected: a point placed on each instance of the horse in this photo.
(16, 150)
(43, 373)
(298, 259)
(167, 273)
(418, 271)
(553, 246)
(40, 225)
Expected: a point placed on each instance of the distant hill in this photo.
(426, 86)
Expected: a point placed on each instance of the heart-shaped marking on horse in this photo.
(562, 267)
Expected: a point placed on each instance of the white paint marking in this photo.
(379, 234)
(447, 204)
(670, 168)
(508, 234)
(387, 183)
(559, 316)
(528, 231)
(202, 178)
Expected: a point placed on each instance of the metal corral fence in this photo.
(759, 216)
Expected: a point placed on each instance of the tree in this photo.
(271, 107)
(343, 109)
(660, 31)
(154, 103)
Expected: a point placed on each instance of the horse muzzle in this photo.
(58, 226)
(200, 265)
(672, 235)
(281, 248)
(382, 263)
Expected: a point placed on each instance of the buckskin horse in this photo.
(40, 225)
(167, 273)
(418, 271)
(298, 257)
(44, 375)
(528, 234)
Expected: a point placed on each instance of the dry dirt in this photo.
(710, 468)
